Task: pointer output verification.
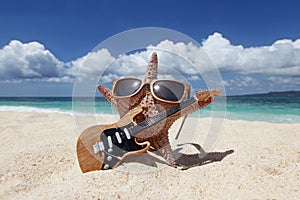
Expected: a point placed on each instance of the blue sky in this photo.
(69, 30)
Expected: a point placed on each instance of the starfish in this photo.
(158, 137)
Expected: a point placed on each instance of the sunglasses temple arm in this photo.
(183, 121)
(181, 125)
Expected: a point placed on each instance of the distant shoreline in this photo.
(270, 94)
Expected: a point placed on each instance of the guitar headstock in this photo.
(206, 95)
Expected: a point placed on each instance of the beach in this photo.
(250, 160)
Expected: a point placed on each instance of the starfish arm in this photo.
(121, 105)
(161, 143)
(151, 73)
(107, 94)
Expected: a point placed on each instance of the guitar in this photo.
(103, 147)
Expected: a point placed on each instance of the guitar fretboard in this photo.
(161, 116)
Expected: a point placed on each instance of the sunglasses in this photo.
(169, 91)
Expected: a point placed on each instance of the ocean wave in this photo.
(33, 109)
(272, 118)
(48, 110)
(266, 117)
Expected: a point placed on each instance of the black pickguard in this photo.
(118, 150)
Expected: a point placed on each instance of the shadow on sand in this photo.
(186, 161)
(198, 159)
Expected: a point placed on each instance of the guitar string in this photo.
(157, 118)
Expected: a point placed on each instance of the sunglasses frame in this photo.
(151, 84)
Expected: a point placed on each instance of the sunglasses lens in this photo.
(126, 87)
(168, 90)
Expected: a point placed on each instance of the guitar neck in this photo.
(177, 109)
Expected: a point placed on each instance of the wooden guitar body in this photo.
(104, 146)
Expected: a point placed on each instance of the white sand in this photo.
(38, 161)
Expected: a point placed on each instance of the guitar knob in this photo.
(106, 166)
(110, 150)
(109, 158)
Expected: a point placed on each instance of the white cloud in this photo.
(193, 78)
(182, 58)
(280, 61)
(64, 79)
(226, 83)
(108, 78)
(89, 66)
(281, 58)
(27, 61)
(285, 80)
(242, 81)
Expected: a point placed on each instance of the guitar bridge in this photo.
(98, 147)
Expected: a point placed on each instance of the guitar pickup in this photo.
(98, 147)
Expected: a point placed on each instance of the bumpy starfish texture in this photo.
(158, 134)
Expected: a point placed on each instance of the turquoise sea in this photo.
(282, 109)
